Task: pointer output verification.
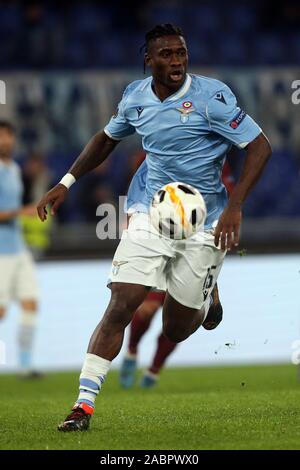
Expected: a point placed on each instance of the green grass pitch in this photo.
(250, 407)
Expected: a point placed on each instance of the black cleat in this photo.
(215, 312)
(78, 420)
(31, 375)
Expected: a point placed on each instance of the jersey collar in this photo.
(10, 163)
(182, 91)
(179, 93)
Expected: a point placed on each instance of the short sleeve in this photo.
(226, 118)
(118, 126)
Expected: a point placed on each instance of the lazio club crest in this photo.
(187, 108)
(116, 266)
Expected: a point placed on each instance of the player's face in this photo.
(7, 142)
(168, 58)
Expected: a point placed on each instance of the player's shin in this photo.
(139, 326)
(164, 348)
(92, 377)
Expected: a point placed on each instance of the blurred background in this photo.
(65, 65)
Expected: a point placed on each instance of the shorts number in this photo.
(208, 281)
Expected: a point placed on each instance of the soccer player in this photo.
(17, 273)
(187, 123)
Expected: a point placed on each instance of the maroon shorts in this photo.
(157, 296)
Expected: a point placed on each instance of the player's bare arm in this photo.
(94, 153)
(5, 216)
(228, 228)
(28, 210)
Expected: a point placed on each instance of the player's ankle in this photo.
(85, 407)
(152, 372)
(131, 353)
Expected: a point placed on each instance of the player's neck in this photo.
(162, 91)
(6, 159)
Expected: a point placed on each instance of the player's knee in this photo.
(126, 298)
(175, 336)
(119, 308)
(174, 333)
(2, 312)
(118, 314)
(122, 305)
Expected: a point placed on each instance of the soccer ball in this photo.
(177, 211)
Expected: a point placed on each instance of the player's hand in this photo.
(228, 229)
(29, 210)
(55, 197)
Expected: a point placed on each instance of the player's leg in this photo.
(7, 274)
(162, 352)
(198, 263)
(27, 293)
(142, 320)
(180, 321)
(138, 264)
(107, 339)
(138, 327)
(7, 270)
(185, 321)
(164, 348)
(26, 336)
(105, 344)
(215, 312)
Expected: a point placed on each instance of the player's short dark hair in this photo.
(160, 30)
(7, 125)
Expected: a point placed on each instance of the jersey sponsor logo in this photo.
(187, 108)
(236, 121)
(220, 97)
(139, 110)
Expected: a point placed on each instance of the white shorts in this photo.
(187, 269)
(17, 278)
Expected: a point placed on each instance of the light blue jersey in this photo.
(186, 137)
(11, 190)
(136, 195)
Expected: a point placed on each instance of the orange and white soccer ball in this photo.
(177, 211)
